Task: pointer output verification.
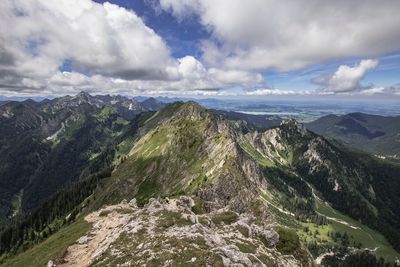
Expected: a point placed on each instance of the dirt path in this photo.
(340, 221)
(319, 259)
(105, 230)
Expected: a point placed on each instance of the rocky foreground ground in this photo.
(174, 232)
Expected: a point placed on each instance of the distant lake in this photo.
(268, 113)
(301, 110)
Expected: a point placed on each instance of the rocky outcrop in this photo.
(277, 145)
(166, 232)
(294, 127)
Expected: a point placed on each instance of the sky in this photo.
(202, 48)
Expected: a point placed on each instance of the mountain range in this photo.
(107, 181)
(55, 142)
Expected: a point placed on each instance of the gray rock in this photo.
(186, 202)
(133, 203)
(270, 235)
(83, 240)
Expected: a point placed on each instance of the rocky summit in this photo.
(171, 232)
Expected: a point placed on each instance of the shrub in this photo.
(288, 241)
(226, 217)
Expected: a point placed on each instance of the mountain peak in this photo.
(152, 104)
(150, 99)
(193, 110)
(293, 125)
(83, 94)
(187, 106)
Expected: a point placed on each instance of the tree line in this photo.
(61, 209)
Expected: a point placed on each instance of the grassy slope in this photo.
(51, 248)
(369, 238)
(257, 156)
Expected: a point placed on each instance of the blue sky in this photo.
(386, 73)
(201, 48)
(183, 37)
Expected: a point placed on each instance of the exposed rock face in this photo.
(270, 145)
(314, 156)
(167, 232)
(237, 187)
(293, 126)
(278, 144)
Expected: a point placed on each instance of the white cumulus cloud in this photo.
(71, 45)
(97, 38)
(373, 91)
(290, 35)
(346, 78)
(268, 91)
